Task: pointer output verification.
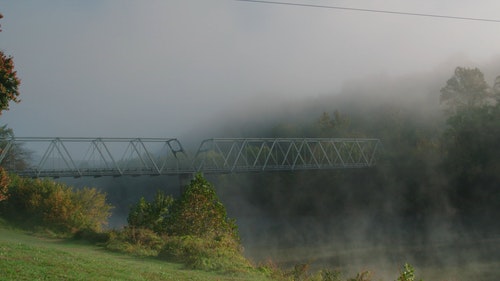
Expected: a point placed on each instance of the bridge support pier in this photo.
(184, 181)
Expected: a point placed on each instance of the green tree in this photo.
(56, 206)
(466, 89)
(9, 82)
(16, 157)
(151, 215)
(496, 89)
(9, 91)
(330, 126)
(199, 212)
(471, 160)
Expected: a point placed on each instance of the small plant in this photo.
(407, 274)
(299, 272)
(363, 276)
(327, 275)
(272, 270)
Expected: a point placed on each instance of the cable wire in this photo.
(370, 10)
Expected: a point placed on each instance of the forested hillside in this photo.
(436, 176)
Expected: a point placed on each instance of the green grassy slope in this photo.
(25, 257)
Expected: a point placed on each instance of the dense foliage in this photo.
(54, 206)
(4, 184)
(151, 215)
(199, 212)
(193, 229)
(472, 163)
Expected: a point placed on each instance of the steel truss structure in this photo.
(78, 157)
(284, 154)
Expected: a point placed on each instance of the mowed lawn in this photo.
(26, 257)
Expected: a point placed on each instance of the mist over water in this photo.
(352, 238)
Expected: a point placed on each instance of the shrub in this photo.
(272, 270)
(328, 275)
(200, 213)
(363, 276)
(92, 236)
(45, 203)
(136, 241)
(222, 254)
(197, 213)
(151, 215)
(193, 230)
(90, 209)
(407, 274)
(200, 233)
(4, 184)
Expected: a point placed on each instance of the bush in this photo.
(407, 274)
(197, 213)
(56, 206)
(4, 184)
(92, 236)
(193, 230)
(90, 209)
(200, 213)
(223, 254)
(151, 215)
(136, 241)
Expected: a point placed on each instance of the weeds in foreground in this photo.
(300, 273)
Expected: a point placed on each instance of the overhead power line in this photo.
(370, 10)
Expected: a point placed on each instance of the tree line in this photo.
(432, 170)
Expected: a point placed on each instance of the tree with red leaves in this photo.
(9, 82)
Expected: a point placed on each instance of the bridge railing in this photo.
(77, 157)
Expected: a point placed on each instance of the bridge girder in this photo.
(77, 157)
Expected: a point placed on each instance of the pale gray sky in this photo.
(162, 68)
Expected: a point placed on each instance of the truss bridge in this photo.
(97, 157)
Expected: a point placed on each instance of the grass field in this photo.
(26, 257)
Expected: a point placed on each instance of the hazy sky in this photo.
(161, 68)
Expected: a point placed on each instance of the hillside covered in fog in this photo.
(436, 175)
